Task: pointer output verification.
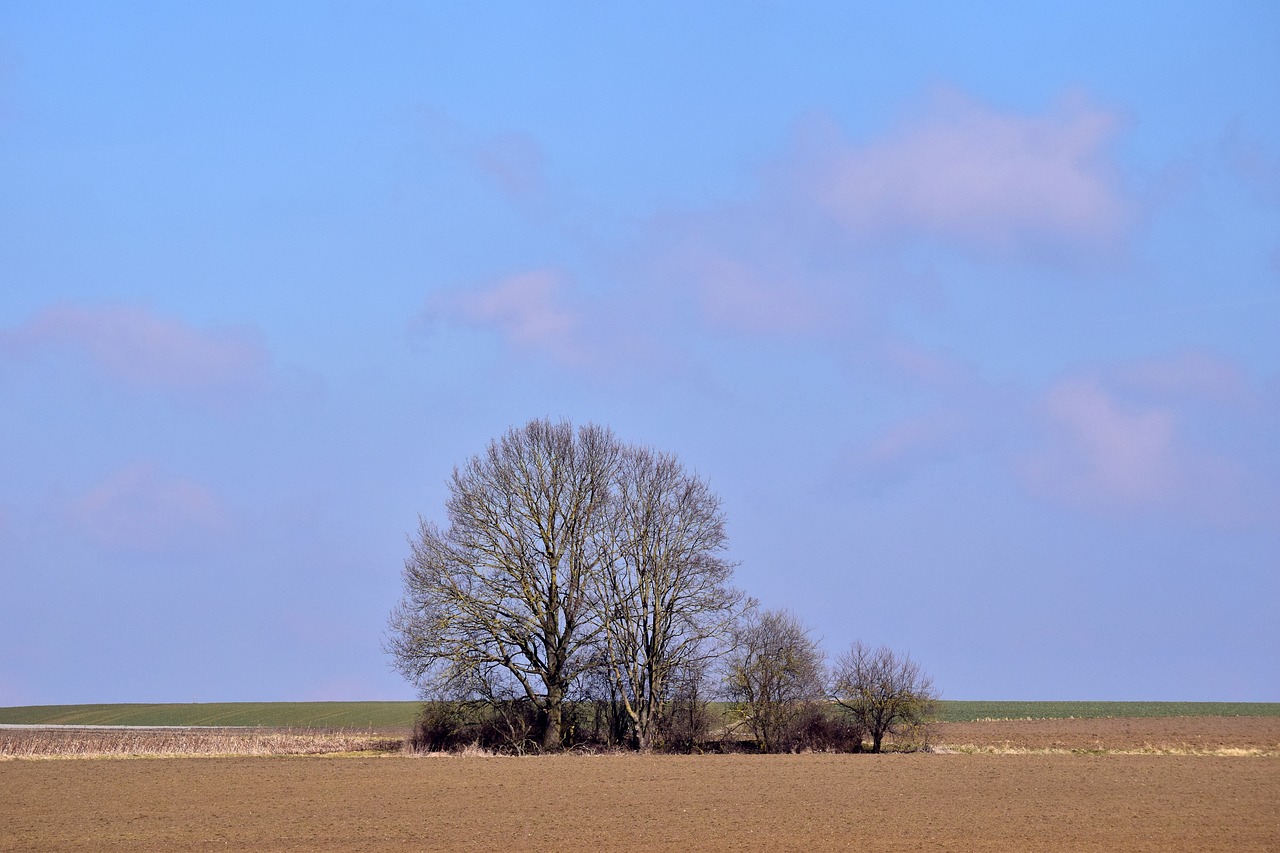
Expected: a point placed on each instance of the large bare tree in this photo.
(497, 605)
(665, 600)
(883, 691)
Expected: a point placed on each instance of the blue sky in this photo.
(969, 312)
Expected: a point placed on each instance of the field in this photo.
(325, 715)
(1091, 784)
(956, 711)
(400, 715)
(691, 803)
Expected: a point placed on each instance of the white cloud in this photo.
(985, 179)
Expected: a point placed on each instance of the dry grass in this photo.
(1172, 736)
(135, 743)
(1186, 736)
(988, 749)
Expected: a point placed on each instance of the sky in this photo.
(969, 313)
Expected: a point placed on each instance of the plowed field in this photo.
(984, 802)
(1190, 735)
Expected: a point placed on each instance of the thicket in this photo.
(578, 598)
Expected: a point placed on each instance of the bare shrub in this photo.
(821, 730)
(685, 719)
(775, 674)
(885, 694)
(507, 727)
(440, 727)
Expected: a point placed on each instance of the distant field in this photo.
(400, 715)
(958, 711)
(328, 715)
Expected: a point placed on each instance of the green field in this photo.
(328, 715)
(400, 715)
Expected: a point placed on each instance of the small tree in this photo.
(884, 693)
(775, 672)
(664, 597)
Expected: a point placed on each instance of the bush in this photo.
(775, 675)
(506, 727)
(683, 726)
(819, 730)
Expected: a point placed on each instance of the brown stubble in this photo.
(1156, 735)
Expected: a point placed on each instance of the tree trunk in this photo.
(876, 737)
(644, 736)
(646, 718)
(551, 732)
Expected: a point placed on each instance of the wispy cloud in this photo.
(140, 349)
(143, 508)
(1184, 436)
(515, 162)
(747, 299)
(544, 314)
(905, 447)
(1187, 374)
(1254, 163)
(1105, 454)
(820, 249)
(528, 309)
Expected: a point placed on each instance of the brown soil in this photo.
(730, 802)
(1192, 735)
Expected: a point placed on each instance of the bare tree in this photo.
(686, 715)
(775, 672)
(884, 693)
(665, 599)
(496, 606)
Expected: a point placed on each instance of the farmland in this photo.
(380, 716)
(719, 802)
(1083, 783)
(326, 715)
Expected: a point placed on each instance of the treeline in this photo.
(579, 597)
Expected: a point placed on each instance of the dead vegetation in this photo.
(1222, 736)
(1172, 736)
(129, 743)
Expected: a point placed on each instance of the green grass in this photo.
(957, 711)
(400, 715)
(329, 715)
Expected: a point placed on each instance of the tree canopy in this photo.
(565, 550)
